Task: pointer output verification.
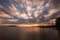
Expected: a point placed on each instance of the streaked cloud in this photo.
(29, 11)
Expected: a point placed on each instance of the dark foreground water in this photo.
(28, 33)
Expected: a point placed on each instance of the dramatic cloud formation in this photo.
(29, 11)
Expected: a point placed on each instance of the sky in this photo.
(29, 11)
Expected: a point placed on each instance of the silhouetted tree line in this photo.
(58, 26)
(58, 23)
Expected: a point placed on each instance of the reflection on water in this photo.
(28, 33)
(38, 34)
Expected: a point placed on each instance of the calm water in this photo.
(28, 33)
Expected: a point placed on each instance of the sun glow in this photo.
(25, 25)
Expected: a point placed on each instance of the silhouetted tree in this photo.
(58, 25)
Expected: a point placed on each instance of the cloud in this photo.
(26, 11)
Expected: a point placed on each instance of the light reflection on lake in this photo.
(29, 33)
